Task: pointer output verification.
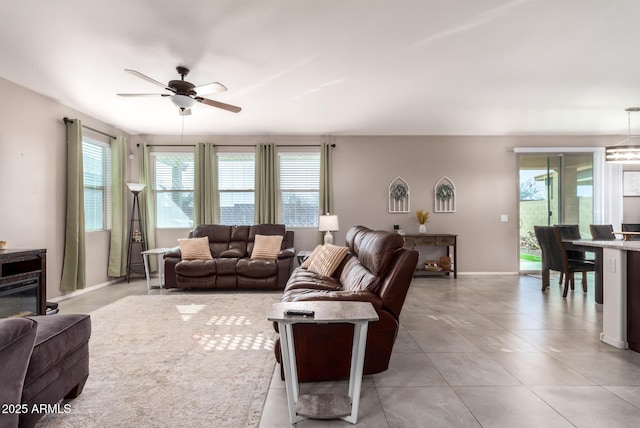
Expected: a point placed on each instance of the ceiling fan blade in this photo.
(148, 79)
(144, 95)
(210, 88)
(185, 111)
(218, 104)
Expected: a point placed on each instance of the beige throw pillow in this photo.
(195, 248)
(328, 259)
(266, 247)
(307, 262)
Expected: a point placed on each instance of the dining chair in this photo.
(571, 266)
(551, 257)
(602, 232)
(571, 232)
(555, 257)
(631, 227)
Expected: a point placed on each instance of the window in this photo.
(299, 189)
(236, 186)
(173, 175)
(96, 159)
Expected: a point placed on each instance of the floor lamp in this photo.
(137, 235)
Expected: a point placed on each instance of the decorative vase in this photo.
(422, 228)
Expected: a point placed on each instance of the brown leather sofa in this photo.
(231, 266)
(378, 270)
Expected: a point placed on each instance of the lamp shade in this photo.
(135, 187)
(183, 101)
(328, 223)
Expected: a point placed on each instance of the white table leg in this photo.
(357, 367)
(290, 369)
(161, 269)
(145, 258)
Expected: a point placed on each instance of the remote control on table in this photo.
(303, 312)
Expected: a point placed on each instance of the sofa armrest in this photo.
(323, 295)
(286, 253)
(17, 337)
(174, 252)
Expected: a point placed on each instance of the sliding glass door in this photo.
(554, 189)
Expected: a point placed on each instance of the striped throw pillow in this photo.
(307, 262)
(266, 247)
(195, 248)
(328, 259)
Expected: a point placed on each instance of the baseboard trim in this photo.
(84, 291)
(487, 273)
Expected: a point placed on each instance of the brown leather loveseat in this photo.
(377, 269)
(231, 265)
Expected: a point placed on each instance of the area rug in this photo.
(176, 361)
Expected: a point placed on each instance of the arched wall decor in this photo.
(399, 196)
(444, 196)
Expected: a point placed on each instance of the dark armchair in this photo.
(45, 358)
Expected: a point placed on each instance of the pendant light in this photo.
(625, 152)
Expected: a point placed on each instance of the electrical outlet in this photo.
(611, 265)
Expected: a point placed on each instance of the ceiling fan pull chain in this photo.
(182, 131)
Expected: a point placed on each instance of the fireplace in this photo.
(22, 282)
(19, 299)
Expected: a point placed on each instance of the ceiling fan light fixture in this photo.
(183, 101)
(625, 152)
(184, 94)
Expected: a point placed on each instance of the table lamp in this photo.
(328, 223)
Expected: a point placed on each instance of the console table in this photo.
(323, 406)
(447, 240)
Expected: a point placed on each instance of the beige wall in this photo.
(484, 170)
(33, 181)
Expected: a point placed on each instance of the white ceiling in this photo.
(340, 67)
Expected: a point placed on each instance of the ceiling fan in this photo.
(184, 94)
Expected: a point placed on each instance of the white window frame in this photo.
(222, 190)
(184, 222)
(104, 187)
(605, 176)
(314, 190)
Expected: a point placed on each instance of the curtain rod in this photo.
(67, 120)
(232, 145)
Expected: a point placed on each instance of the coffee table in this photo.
(323, 406)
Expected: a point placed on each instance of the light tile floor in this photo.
(479, 351)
